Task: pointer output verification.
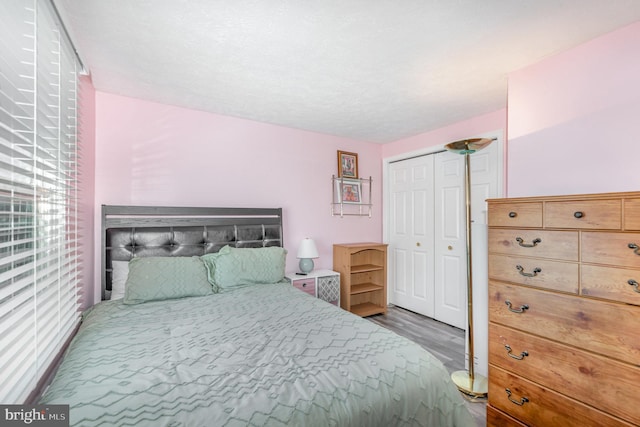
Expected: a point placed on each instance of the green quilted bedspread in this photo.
(260, 355)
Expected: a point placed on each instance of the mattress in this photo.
(264, 355)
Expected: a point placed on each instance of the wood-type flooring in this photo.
(443, 341)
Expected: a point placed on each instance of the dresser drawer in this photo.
(602, 327)
(586, 214)
(496, 418)
(632, 214)
(610, 283)
(561, 245)
(611, 248)
(541, 273)
(536, 406)
(600, 382)
(306, 285)
(515, 215)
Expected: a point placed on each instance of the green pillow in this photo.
(232, 268)
(161, 278)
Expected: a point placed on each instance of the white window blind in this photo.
(39, 266)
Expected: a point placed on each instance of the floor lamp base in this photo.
(476, 387)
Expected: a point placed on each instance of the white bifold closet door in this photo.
(411, 234)
(427, 230)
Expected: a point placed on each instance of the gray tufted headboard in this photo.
(139, 231)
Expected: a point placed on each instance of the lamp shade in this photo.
(307, 249)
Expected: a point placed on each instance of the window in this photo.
(39, 254)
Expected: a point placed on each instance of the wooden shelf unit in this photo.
(363, 277)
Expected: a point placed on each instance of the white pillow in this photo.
(119, 274)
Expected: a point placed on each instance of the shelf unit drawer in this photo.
(542, 407)
(329, 289)
(306, 285)
(515, 215)
(584, 214)
(560, 245)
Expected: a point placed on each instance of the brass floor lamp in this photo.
(467, 381)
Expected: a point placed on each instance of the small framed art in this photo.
(349, 191)
(347, 164)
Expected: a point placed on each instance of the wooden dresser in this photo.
(564, 310)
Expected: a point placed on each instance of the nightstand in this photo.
(323, 284)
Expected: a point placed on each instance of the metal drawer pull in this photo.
(513, 356)
(634, 284)
(534, 274)
(517, 310)
(578, 214)
(528, 245)
(636, 249)
(512, 214)
(520, 402)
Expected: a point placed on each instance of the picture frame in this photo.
(347, 164)
(349, 191)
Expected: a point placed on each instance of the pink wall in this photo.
(461, 130)
(153, 154)
(86, 140)
(574, 119)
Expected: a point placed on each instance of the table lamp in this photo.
(306, 252)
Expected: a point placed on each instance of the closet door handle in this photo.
(513, 356)
(517, 310)
(533, 274)
(520, 402)
(636, 249)
(533, 243)
(634, 284)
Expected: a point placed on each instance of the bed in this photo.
(252, 353)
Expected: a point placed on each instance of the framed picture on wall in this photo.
(347, 164)
(349, 191)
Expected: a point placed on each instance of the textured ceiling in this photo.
(373, 70)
